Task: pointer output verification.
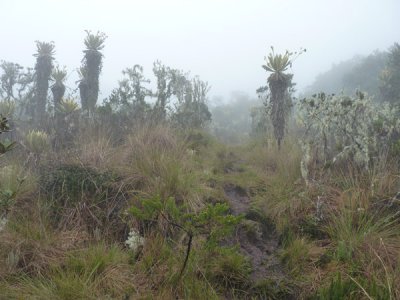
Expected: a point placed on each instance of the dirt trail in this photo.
(256, 236)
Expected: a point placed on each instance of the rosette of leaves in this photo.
(7, 108)
(68, 106)
(37, 141)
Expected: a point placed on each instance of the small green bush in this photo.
(69, 184)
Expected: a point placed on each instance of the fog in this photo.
(224, 42)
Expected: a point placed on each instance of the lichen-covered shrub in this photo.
(341, 128)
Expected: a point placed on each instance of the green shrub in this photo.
(67, 185)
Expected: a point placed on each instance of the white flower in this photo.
(134, 240)
(3, 222)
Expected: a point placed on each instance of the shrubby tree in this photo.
(192, 110)
(183, 97)
(10, 76)
(16, 87)
(390, 76)
(130, 96)
(90, 70)
(181, 86)
(164, 89)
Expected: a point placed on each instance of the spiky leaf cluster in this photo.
(37, 141)
(68, 106)
(7, 108)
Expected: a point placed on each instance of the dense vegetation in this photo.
(142, 197)
(374, 74)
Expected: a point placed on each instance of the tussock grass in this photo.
(31, 247)
(62, 239)
(345, 222)
(87, 273)
(339, 236)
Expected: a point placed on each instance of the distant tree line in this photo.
(38, 95)
(377, 74)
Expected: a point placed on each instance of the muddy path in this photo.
(257, 239)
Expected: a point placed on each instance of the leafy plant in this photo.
(37, 141)
(7, 108)
(69, 184)
(68, 106)
(213, 221)
(5, 146)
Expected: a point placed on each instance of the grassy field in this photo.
(209, 221)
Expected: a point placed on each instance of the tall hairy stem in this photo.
(278, 86)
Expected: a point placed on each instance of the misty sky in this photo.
(224, 42)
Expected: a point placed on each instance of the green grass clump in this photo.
(359, 232)
(228, 268)
(88, 273)
(70, 184)
(296, 255)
